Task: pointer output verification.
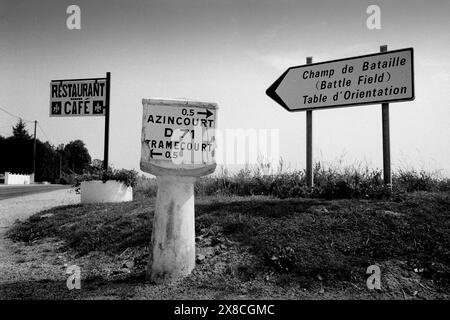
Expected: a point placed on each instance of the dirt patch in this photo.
(227, 272)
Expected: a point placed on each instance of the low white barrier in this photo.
(11, 178)
(109, 191)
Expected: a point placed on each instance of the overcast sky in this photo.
(227, 52)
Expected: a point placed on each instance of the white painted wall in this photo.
(109, 191)
(11, 178)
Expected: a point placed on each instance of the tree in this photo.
(47, 162)
(20, 131)
(17, 156)
(76, 157)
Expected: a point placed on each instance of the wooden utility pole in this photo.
(387, 176)
(34, 151)
(309, 152)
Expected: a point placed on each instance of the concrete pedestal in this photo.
(172, 253)
(110, 191)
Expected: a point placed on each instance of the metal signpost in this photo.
(387, 176)
(82, 97)
(309, 144)
(382, 77)
(177, 146)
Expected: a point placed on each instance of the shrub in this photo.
(329, 183)
(67, 179)
(128, 177)
(145, 187)
(416, 181)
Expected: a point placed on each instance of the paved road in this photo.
(14, 268)
(11, 191)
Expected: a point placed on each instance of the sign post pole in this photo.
(107, 108)
(309, 152)
(387, 176)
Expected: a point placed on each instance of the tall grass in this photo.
(330, 182)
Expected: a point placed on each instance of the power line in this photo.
(13, 115)
(24, 120)
(42, 130)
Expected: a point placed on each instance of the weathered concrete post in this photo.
(173, 237)
(178, 143)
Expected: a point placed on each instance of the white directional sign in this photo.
(178, 131)
(80, 97)
(369, 79)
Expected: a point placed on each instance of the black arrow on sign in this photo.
(154, 153)
(207, 113)
(271, 91)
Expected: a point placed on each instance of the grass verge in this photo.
(346, 182)
(310, 239)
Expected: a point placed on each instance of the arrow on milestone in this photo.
(152, 153)
(207, 113)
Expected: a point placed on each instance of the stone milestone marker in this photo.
(178, 145)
